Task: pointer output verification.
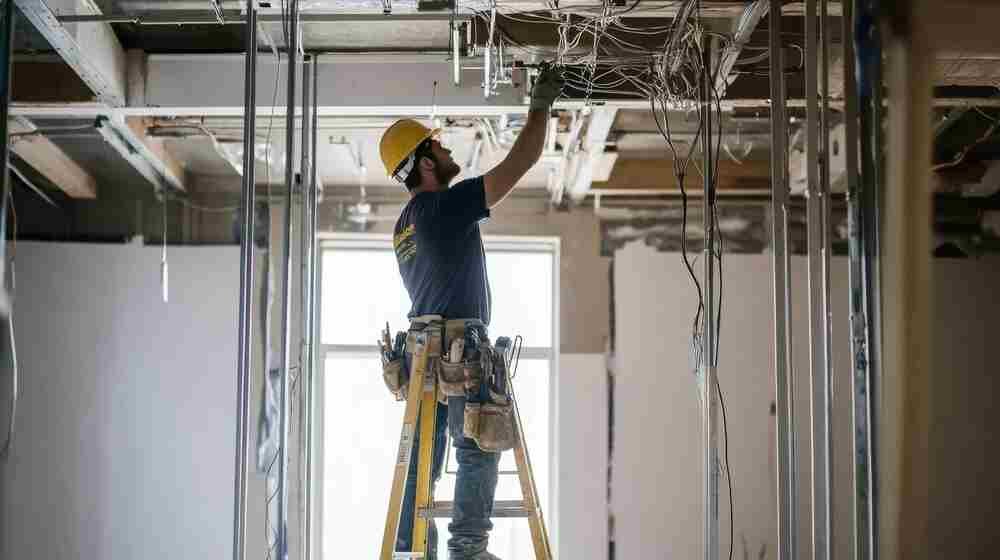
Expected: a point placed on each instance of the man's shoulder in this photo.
(414, 207)
(477, 180)
(417, 209)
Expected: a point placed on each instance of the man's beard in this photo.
(444, 172)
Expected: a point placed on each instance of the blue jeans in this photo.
(475, 487)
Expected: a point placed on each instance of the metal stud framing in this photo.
(783, 386)
(244, 359)
(286, 319)
(312, 328)
(819, 301)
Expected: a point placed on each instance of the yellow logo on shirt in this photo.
(405, 244)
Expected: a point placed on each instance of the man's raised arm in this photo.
(528, 147)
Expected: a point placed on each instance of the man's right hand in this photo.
(547, 88)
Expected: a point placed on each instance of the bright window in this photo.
(361, 291)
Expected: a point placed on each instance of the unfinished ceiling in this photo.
(166, 79)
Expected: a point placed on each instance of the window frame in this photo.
(344, 241)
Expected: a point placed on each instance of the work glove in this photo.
(547, 88)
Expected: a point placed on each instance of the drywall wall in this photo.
(125, 424)
(656, 485)
(657, 466)
(580, 474)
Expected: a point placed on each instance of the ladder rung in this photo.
(501, 508)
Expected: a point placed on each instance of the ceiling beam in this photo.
(174, 13)
(591, 152)
(165, 17)
(187, 84)
(957, 69)
(144, 153)
(659, 174)
(184, 82)
(50, 161)
(92, 50)
(212, 85)
(743, 29)
(168, 165)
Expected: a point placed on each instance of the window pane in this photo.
(361, 425)
(522, 296)
(361, 291)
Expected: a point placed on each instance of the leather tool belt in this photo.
(467, 366)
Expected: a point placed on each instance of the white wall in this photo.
(125, 428)
(657, 471)
(657, 496)
(581, 461)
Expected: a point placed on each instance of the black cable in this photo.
(716, 256)
(729, 475)
(722, 401)
(680, 175)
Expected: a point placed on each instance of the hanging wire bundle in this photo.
(602, 54)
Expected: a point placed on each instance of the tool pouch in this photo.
(456, 378)
(396, 378)
(470, 424)
(434, 341)
(451, 378)
(491, 426)
(460, 372)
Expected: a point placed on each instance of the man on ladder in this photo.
(441, 260)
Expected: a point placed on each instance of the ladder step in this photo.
(501, 508)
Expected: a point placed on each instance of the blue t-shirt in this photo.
(440, 252)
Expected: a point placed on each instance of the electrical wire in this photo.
(614, 64)
(961, 155)
(722, 400)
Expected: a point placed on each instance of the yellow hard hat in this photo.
(398, 143)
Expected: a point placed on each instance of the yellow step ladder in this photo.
(422, 395)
